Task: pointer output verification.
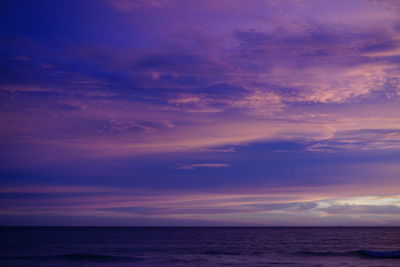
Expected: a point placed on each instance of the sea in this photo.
(200, 246)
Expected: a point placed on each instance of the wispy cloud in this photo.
(246, 79)
(367, 139)
(201, 165)
(362, 209)
(128, 5)
(304, 206)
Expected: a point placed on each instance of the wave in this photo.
(73, 257)
(361, 253)
(215, 252)
(93, 257)
(380, 254)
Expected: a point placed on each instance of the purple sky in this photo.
(177, 112)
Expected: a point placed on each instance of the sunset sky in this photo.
(178, 112)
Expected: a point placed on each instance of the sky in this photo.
(200, 113)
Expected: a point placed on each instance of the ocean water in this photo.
(200, 246)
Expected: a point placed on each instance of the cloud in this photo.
(362, 209)
(266, 207)
(319, 70)
(45, 189)
(366, 139)
(289, 207)
(201, 165)
(128, 5)
(234, 73)
(262, 103)
(210, 210)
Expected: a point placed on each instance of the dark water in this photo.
(200, 246)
